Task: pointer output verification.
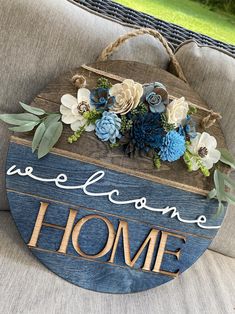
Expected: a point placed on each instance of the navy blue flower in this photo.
(107, 128)
(147, 131)
(172, 146)
(156, 96)
(101, 99)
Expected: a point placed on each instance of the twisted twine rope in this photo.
(111, 48)
(211, 119)
(79, 81)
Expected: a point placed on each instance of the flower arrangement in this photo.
(137, 118)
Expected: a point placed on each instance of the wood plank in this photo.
(133, 228)
(99, 274)
(190, 205)
(90, 146)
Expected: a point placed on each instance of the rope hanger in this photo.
(206, 122)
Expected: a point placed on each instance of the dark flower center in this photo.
(202, 152)
(83, 107)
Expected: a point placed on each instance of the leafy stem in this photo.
(77, 134)
(48, 131)
(91, 117)
(224, 185)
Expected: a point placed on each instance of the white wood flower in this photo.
(177, 111)
(72, 109)
(203, 146)
(127, 96)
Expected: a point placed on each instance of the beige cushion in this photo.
(211, 72)
(26, 286)
(41, 39)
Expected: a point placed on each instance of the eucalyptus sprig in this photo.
(224, 185)
(47, 133)
(227, 158)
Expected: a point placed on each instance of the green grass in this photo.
(189, 14)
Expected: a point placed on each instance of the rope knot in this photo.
(79, 81)
(211, 119)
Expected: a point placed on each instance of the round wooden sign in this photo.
(100, 219)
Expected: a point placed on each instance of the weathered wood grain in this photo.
(90, 241)
(99, 274)
(189, 204)
(175, 173)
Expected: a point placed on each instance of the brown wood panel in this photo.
(93, 150)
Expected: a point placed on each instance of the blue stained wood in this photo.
(25, 196)
(95, 275)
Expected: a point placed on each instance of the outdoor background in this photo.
(215, 18)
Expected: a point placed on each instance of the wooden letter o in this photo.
(77, 229)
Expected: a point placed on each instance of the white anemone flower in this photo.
(203, 146)
(72, 109)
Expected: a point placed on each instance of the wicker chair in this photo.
(173, 33)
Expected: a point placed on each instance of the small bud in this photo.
(70, 140)
(74, 138)
(86, 114)
(156, 161)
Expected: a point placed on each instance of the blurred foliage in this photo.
(193, 15)
(225, 5)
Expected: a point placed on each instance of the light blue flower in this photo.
(172, 147)
(107, 128)
(156, 96)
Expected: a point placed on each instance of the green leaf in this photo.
(212, 194)
(19, 118)
(54, 117)
(219, 185)
(25, 127)
(220, 209)
(230, 198)
(38, 136)
(229, 182)
(227, 158)
(34, 110)
(50, 138)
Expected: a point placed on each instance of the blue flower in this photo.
(101, 99)
(156, 96)
(107, 128)
(172, 147)
(189, 129)
(147, 131)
